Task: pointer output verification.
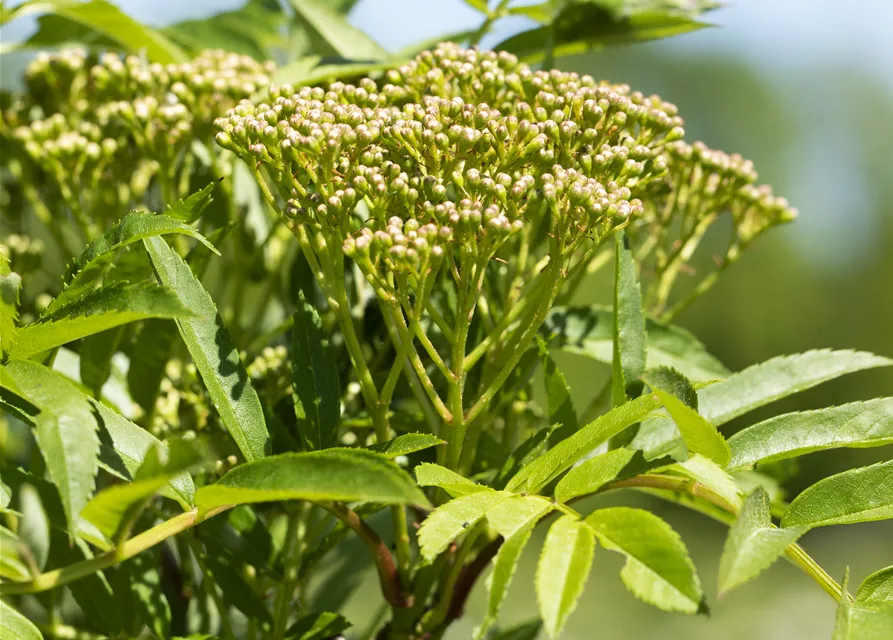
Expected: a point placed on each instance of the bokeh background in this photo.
(805, 89)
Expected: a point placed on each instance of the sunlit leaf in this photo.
(658, 569)
(214, 354)
(562, 571)
(10, 285)
(878, 587)
(753, 543)
(589, 476)
(516, 513)
(777, 378)
(332, 474)
(334, 29)
(857, 495)
(15, 626)
(558, 396)
(448, 521)
(433, 475)
(318, 626)
(107, 307)
(565, 454)
(405, 444)
(859, 424)
(98, 22)
(862, 620)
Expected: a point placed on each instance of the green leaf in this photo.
(588, 331)
(124, 446)
(859, 424)
(405, 444)
(113, 510)
(15, 626)
(318, 626)
(85, 271)
(591, 475)
(98, 22)
(857, 495)
(658, 569)
(538, 473)
(753, 544)
(529, 630)
(878, 587)
(252, 29)
(236, 591)
(107, 307)
(517, 512)
(143, 581)
(188, 210)
(336, 32)
(10, 285)
(862, 620)
(214, 354)
(777, 378)
(504, 565)
(659, 436)
(558, 396)
(65, 430)
(311, 70)
(629, 338)
(149, 354)
(433, 475)
(680, 400)
(528, 451)
(348, 475)
(316, 389)
(448, 521)
(580, 25)
(562, 571)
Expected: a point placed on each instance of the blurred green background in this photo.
(805, 89)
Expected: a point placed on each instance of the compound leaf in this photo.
(433, 475)
(405, 444)
(629, 338)
(448, 521)
(878, 587)
(15, 626)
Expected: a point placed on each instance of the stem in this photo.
(387, 573)
(129, 549)
(291, 560)
(703, 286)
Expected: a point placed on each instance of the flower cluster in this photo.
(92, 123)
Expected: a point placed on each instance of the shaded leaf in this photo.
(214, 354)
(34, 525)
(96, 354)
(658, 569)
(858, 424)
(151, 607)
(235, 590)
(316, 390)
(348, 475)
(65, 430)
(529, 630)
(562, 571)
(680, 400)
(15, 626)
(777, 378)
(12, 564)
(149, 354)
(528, 451)
(588, 331)
(629, 338)
(102, 23)
(448, 521)
(405, 444)
(107, 307)
(433, 475)
(753, 543)
(565, 454)
(312, 70)
(857, 495)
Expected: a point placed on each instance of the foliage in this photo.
(400, 237)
